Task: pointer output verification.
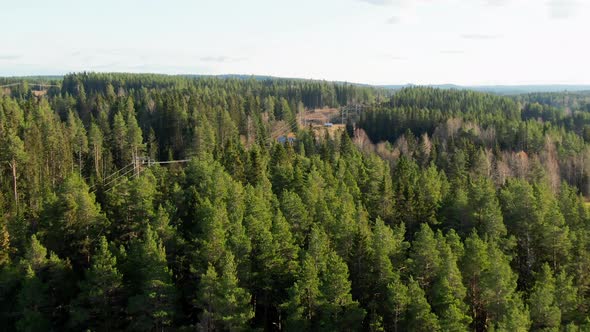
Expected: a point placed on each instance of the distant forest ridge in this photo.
(496, 89)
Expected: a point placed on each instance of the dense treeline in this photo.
(461, 223)
(502, 136)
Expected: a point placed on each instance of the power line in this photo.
(113, 174)
(110, 176)
(117, 178)
(169, 162)
(7, 85)
(30, 83)
(136, 169)
(285, 126)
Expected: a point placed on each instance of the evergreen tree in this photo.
(5, 249)
(73, 221)
(449, 292)
(339, 311)
(484, 210)
(304, 298)
(32, 303)
(119, 140)
(152, 304)
(419, 316)
(225, 305)
(397, 302)
(566, 297)
(545, 312)
(98, 305)
(425, 259)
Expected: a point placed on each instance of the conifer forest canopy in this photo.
(168, 203)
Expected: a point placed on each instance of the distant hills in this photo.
(496, 89)
(503, 89)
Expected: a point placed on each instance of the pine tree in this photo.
(553, 234)
(297, 215)
(432, 187)
(425, 260)
(360, 259)
(73, 221)
(501, 301)
(235, 309)
(397, 302)
(134, 139)
(522, 220)
(78, 137)
(283, 267)
(119, 139)
(207, 299)
(36, 254)
(419, 316)
(517, 318)
(386, 249)
(32, 303)
(42, 298)
(545, 312)
(566, 297)
(96, 140)
(339, 311)
(132, 205)
(226, 306)
(304, 299)
(473, 266)
(484, 210)
(449, 292)
(98, 305)
(152, 305)
(15, 154)
(5, 249)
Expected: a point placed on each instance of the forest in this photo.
(435, 210)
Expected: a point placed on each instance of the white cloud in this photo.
(393, 20)
(10, 57)
(386, 2)
(221, 58)
(477, 36)
(562, 9)
(452, 52)
(497, 2)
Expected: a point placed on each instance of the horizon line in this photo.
(378, 85)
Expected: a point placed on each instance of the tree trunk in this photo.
(13, 166)
(96, 163)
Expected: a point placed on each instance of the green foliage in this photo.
(225, 305)
(419, 316)
(98, 306)
(151, 305)
(542, 303)
(32, 302)
(467, 213)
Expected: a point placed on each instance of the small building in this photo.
(328, 124)
(289, 138)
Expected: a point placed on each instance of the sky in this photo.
(467, 42)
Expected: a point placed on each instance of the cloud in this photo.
(400, 3)
(378, 2)
(221, 59)
(393, 20)
(396, 58)
(10, 56)
(452, 52)
(477, 36)
(562, 9)
(496, 2)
